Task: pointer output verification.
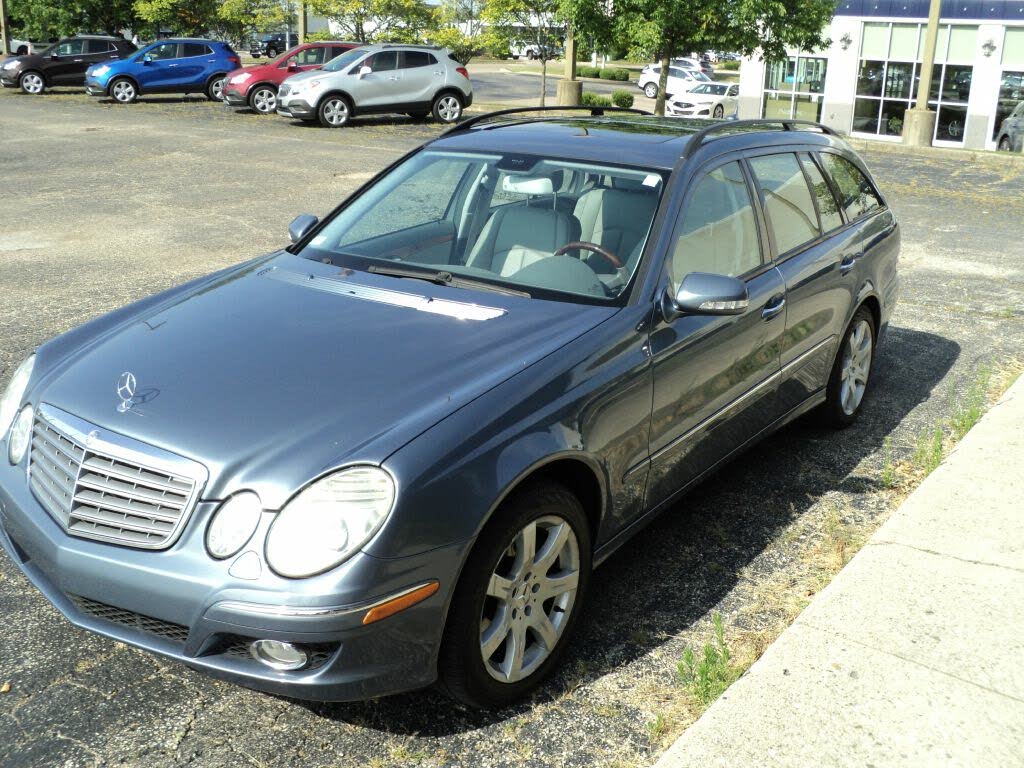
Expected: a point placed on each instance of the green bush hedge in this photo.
(590, 99)
(622, 99)
(728, 65)
(587, 71)
(616, 73)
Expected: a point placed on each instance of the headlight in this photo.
(233, 524)
(11, 64)
(240, 78)
(21, 435)
(329, 520)
(296, 87)
(101, 70)
(14, 393)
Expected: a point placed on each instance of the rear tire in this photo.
(215, 88)
(263, 100)
(447, 108)
(651, 91)
(32, 83)
(516, 598)
(334, 112)
(1004, 144)
(271, 53)
(850, 379)
(123, 91)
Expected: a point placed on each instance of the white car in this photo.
(717, 100)
(25, 47)
(679, 80)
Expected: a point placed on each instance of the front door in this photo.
(382, 86)
(715, 378)
(161, 71)
(67, 63)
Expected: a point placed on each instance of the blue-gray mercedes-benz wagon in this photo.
(391, 454)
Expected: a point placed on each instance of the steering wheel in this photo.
(579, 244)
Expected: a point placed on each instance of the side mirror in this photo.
(702, 293)
(54, 56)
(301, 225)
(292, 64)
(147, 59)
(364, 71)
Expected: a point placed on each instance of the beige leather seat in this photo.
(615, 219)
(518, 235)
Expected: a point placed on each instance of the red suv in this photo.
(256, 86)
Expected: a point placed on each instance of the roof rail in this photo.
(409, 45)
(726, 126)
(465, 125)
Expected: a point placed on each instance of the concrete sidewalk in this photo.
(914, 654)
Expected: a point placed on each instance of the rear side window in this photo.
(718, 233)
(195, 49)
(828, 210)
(856, 195)
(98, 46)
(415, 59)
(787, 200)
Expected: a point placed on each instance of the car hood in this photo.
(301, 76)
(276, 373)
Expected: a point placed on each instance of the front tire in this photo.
(271, 53)
(215, 88)
(851, 372)
(334, 112)
(447, 108)
(123, 91)
(263, 100)
(651, 91)
(1004, 144)
(518, 599)
(32, 83)
(719, 111)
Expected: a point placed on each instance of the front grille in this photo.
(137, 621)
(98, 495)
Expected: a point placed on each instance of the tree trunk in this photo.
(543, 79)
(659, 103)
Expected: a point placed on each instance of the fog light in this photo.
(278, 655)
(21, 435)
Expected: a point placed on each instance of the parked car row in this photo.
(328, 81)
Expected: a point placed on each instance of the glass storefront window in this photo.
(777, 105)
(794, 88)
(891, 123)
(875, 42)
(963, 42)
(865, 115)
(903, 45)
(1011, 93)
(899, 78)
(779, 75)
(956, 83)
(869, 77)
(1013, 48)
(949, 125)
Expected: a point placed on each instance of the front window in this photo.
(515, 222)
(345, 60)
(69, 48)
(309, 57)
(161, 51)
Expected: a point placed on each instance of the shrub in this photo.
(616, 73)
(622, 99)
(587, 71)
(590, 99)
(728, 65)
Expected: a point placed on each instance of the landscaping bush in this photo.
(590, 99)
(614, 73)
(728, 65)
(622, 99)
(588, 71)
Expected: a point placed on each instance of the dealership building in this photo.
(867, 78)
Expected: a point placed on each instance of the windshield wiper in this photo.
(441, 277)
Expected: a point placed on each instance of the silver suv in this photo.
(417, 80)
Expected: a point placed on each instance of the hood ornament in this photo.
(126, 385)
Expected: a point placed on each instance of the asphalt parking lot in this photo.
(104, 204)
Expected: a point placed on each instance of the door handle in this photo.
(394, 78)
(77, 61)
(775, 305)
(848, 263)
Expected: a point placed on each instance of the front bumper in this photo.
(9, 77)
(94, 87)
(297, 108)
(235, 97)
(181, 604)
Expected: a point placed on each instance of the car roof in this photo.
(625, 139)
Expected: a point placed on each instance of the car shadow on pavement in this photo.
(689, 559)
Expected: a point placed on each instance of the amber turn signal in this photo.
(400, 603)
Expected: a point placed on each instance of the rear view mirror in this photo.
(301, 226)
(702, 293)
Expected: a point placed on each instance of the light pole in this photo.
(919, 122)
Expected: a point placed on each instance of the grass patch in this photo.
(706, 677)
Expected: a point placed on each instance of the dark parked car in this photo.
(273, 44)
(393, 451)
(63, 63)
(1011, 132)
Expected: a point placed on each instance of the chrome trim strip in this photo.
(298, 611)
(457, 309)
(728, 408)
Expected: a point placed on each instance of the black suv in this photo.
(273, 44)
(63, 63)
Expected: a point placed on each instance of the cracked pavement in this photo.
(104, 204)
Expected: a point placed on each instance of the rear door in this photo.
(195, 62)
(715, 378)
(422, 76)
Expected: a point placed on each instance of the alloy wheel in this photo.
(336, 112)
(32, 83)
(217, 88)
(1004, 144)
(264, 101)
(856, 367)
(123, 91)
(651, 91)
(530, 597)
(449, 109)
(719, 112)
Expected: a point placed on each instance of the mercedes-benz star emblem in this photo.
(126, 391)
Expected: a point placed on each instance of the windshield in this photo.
(516, 221)
(339, 63)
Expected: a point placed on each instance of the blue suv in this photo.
(186, 65)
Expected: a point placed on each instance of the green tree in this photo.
(257, 15)
(664, 28)
(368, 21)
(532, 21)
(190, 17)
(462, 12)
(43, 19)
